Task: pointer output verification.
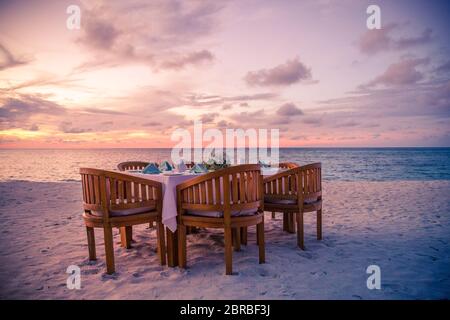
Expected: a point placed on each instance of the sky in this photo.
(135, 71)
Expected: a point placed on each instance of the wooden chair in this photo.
(229, 198)
(296, 191)
(288, 165)
(117, 200)
(132, 165)
(287, 223)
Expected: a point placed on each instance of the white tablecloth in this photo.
(169, 192)
(169, 184)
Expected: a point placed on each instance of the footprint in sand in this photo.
(114, 276)
(164, 274)
(306, 255)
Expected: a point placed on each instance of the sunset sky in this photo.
(137, 70)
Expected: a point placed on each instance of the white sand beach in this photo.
(401, 226)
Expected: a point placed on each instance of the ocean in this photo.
(346, 164)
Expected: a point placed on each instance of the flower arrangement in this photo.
(216, 162)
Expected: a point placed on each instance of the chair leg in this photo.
(189, 230)
(172, 248)
(244, 235)
(319, 224)
(300, 236)
(91, 243)
(273, 214)
(182, 246)
(260, 236)
(161, 242)
(285, 222)
(257, 238)
(228, 251)
(236, 234)
(125, 236)
(291, 222)
(109, 250)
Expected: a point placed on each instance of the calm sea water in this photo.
(373, 164)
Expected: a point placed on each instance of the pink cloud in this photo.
(292, 71)
(377, 40)
(289, 110)
(192, 58)
(401, 73)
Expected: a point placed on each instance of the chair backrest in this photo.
(108, 190)
(230, 189)
(300, 183)
(288, 165)
(132, 165)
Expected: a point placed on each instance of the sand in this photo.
(402, 226)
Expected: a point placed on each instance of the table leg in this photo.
(291, 222)
(172, 248)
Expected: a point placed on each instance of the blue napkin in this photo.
(165, 166)
(151, 168)
(199, 168)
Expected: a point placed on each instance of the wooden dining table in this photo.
(169, 181)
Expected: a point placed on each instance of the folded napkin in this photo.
(199, 168)
(263, 164)
(181, 166)
(165, 166)
(151, 168)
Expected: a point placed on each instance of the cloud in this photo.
(18, 109)
(8, 60)
(373, 41)
(409, 103)
(292, 71)
(44, 80)
(209, 117)
(279, 120)
(377, 40)
(67, 127)
(406, 43)
(102, 111)
(193, 58)
(443, 67)
(224, 124)
(251, 97)
(99, 34)
(151, 124)
(313, 120)
(254, 118)
(117, 38)
(401, 73)
(208, 100)
(289, 110)
(347, 124)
